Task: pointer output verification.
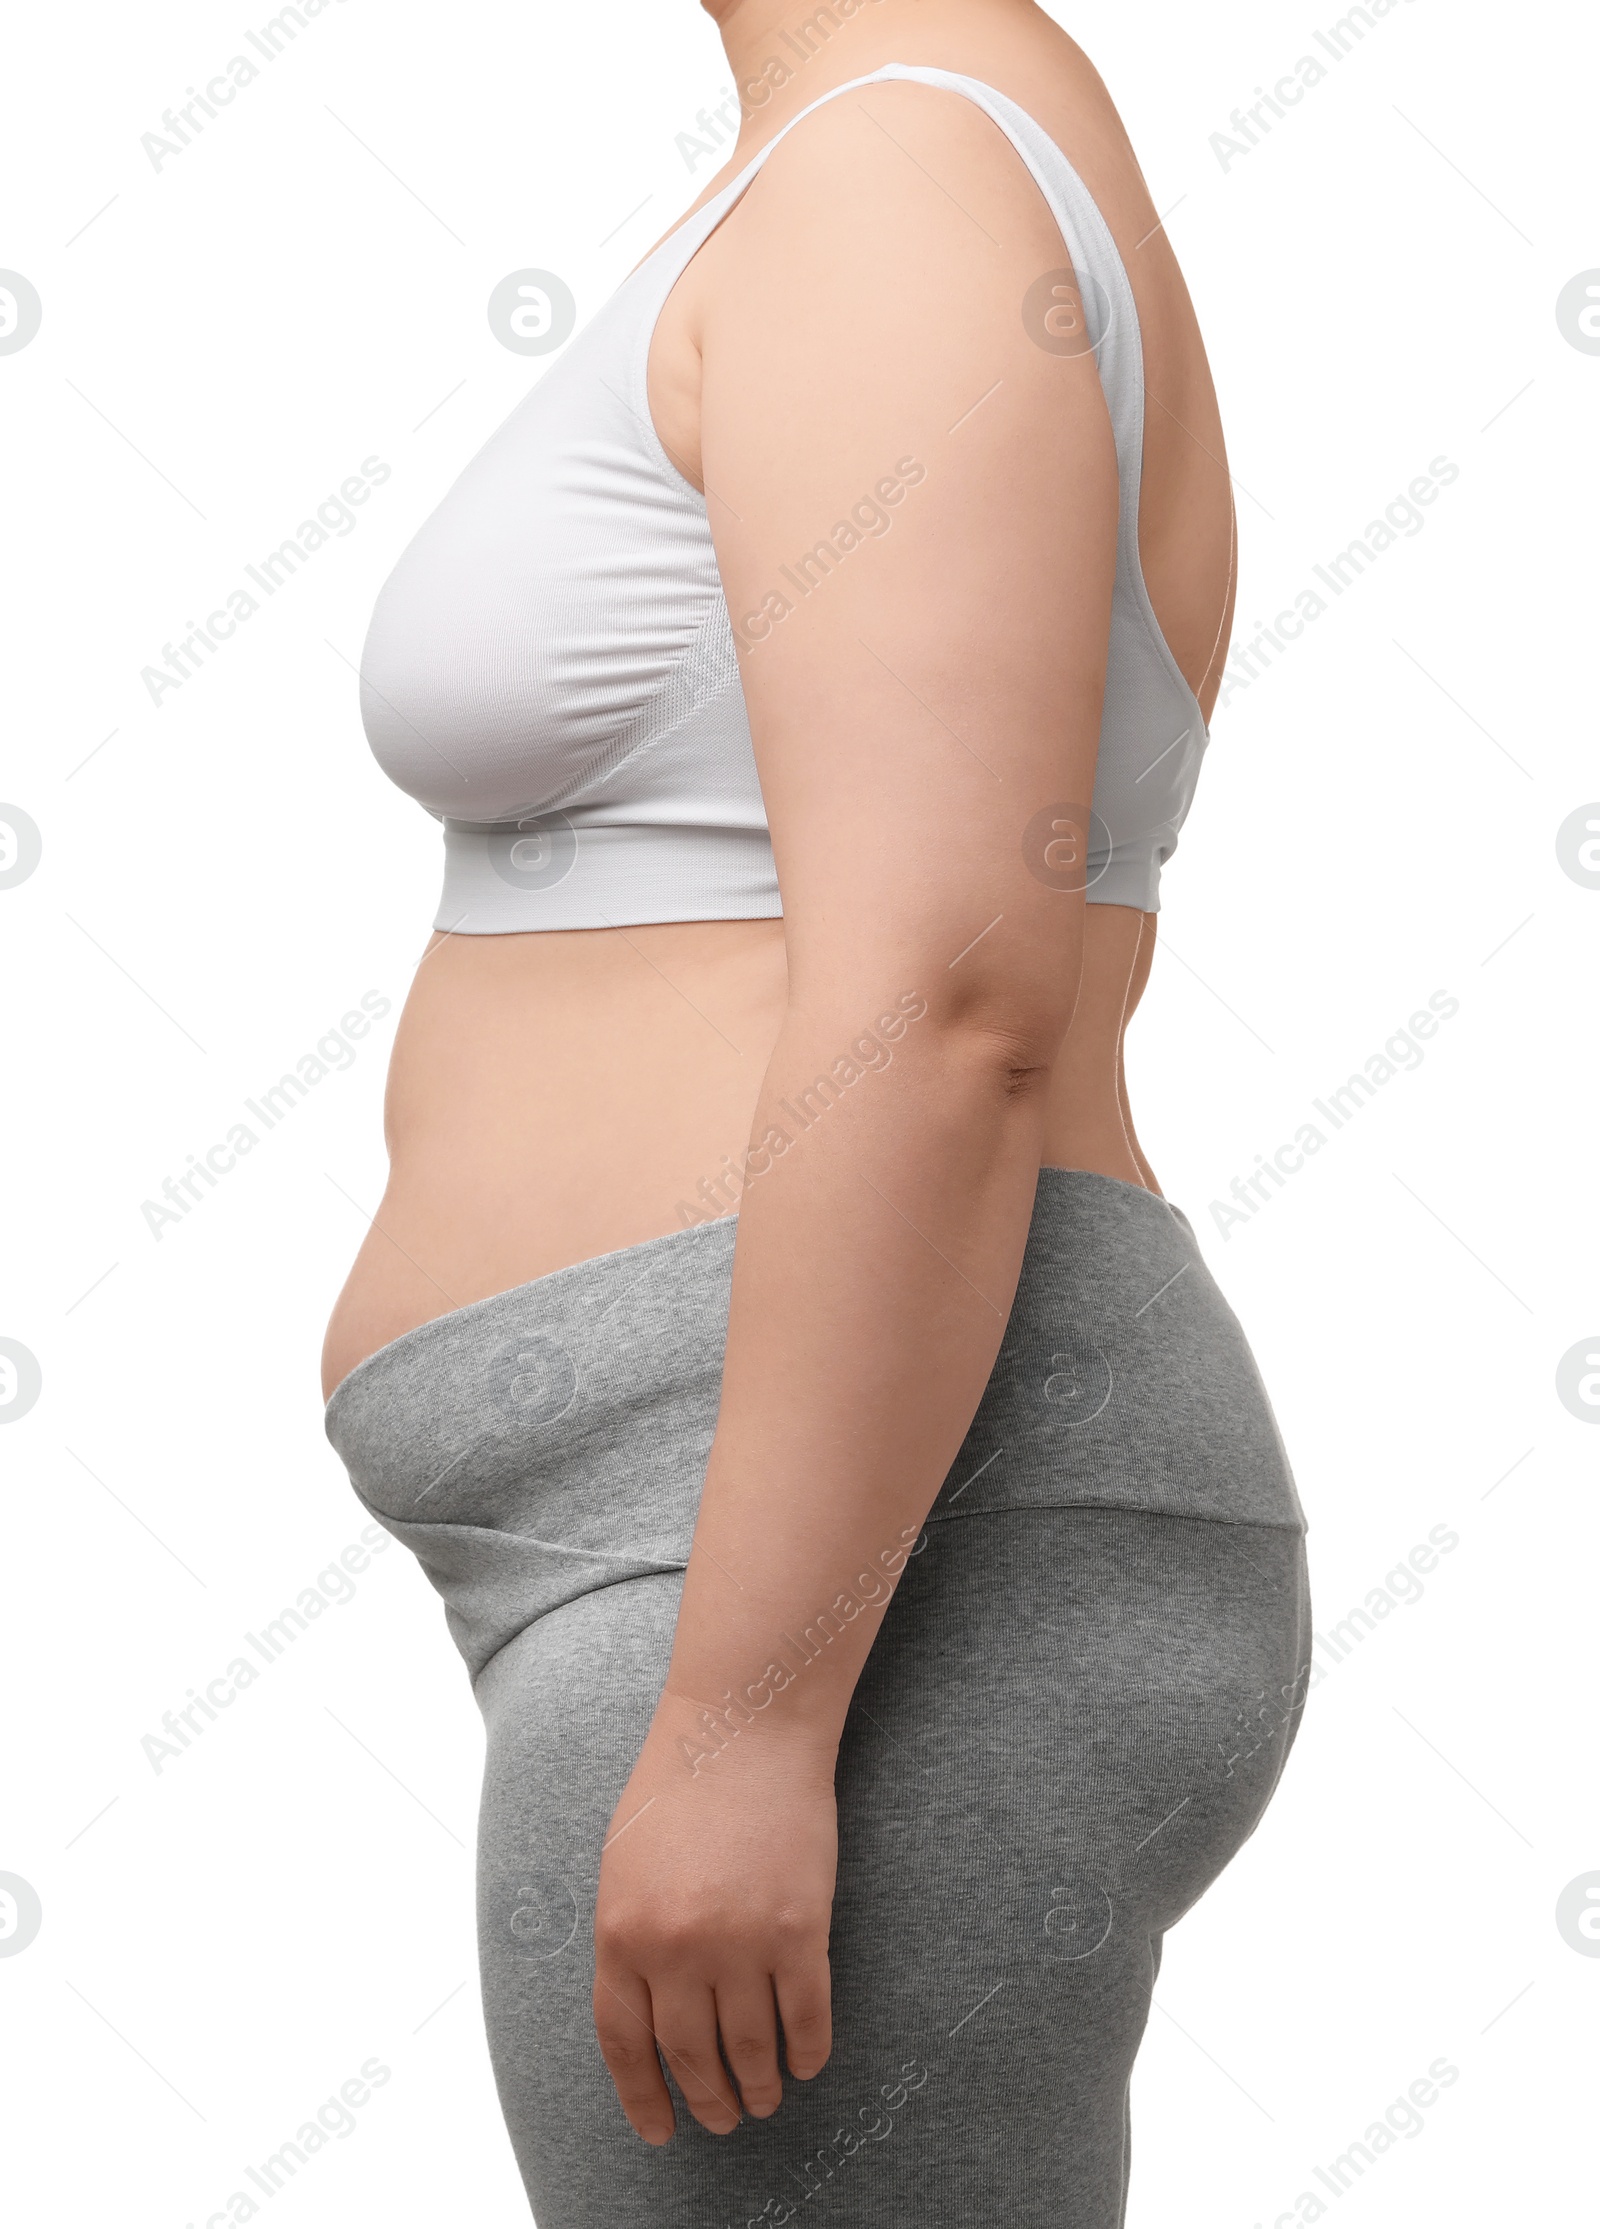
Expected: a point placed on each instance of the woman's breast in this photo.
(537, 613)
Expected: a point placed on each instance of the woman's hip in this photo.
(551, 1441)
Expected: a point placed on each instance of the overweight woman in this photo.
(857, 1507)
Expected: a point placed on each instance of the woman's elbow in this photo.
(1008, 1040)
(1012, 1020)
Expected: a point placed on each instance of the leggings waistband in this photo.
(553, 1438)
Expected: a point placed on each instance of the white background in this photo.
(225, 1941)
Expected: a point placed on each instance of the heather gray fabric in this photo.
(1078, 1705)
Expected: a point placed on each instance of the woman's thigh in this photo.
(1071, 1720)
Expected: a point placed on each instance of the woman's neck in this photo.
(783, 54)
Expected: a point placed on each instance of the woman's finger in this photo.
(628, 2046)
(685, 2016)
(804, 1987)
(748, 2022)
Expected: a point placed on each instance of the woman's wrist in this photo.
(756, 1664)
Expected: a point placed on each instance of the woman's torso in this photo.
(560, 1094)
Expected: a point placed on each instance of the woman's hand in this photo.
(716, 1893)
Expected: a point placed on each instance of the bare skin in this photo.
(554, 1097)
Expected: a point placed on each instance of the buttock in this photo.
(1070, 1721)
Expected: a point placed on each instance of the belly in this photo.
(556, 1096)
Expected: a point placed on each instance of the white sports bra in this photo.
(550, 668)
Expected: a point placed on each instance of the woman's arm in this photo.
(914, 507)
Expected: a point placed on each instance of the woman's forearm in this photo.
(881, 1233)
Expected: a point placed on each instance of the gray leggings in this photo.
(1077, 1708)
